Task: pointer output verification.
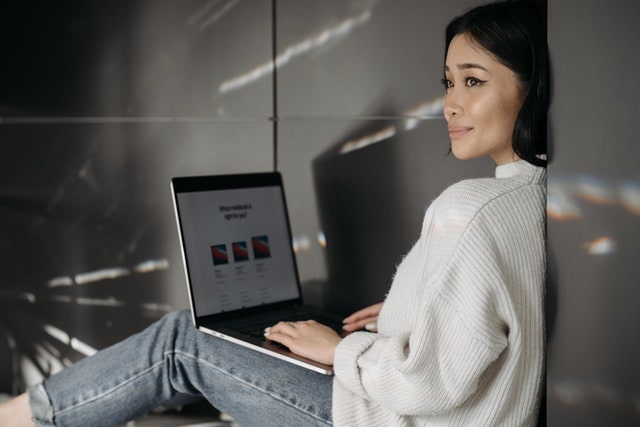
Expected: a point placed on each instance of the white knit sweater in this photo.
(461, 334)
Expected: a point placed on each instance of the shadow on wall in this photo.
(372, 199)
(360, 210)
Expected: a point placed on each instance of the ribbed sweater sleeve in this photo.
(436, 366)
(460, 339)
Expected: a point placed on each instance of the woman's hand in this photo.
(309, 339)
(366, 318)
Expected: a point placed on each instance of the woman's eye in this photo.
(446, 83)
(472, 81)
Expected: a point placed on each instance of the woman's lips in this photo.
(458, 131)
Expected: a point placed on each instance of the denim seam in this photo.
(111, 390)
(225, 372)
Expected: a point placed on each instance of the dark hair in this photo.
(514, 32)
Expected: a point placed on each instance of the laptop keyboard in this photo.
(257, 330)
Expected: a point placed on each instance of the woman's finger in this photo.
(365, 313)
(286, 328)
(361, 324)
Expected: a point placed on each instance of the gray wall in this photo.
(594, 204)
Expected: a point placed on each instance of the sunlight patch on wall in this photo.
(307, 45)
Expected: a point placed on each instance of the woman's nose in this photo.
(452, 105)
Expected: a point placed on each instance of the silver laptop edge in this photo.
(184, 254)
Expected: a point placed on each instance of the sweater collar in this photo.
(521, 167)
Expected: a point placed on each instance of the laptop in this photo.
(239, 262)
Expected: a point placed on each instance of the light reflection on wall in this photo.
(108, 273)
(305, 46)
(565, 194)
(51, 347)
(567, 197)
(211, 13)
(409, 120)
(594, 394)
(593, 220)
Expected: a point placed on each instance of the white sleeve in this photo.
(457, 335)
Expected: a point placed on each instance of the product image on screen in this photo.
(261, 247)
(237, 248)
(240, 252)
(219, 254)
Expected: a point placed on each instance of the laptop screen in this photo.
(237, 247)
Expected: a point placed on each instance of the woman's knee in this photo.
(171, 327)
(178, 318)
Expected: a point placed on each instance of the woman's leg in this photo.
(171, 357)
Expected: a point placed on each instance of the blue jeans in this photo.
(171, 358)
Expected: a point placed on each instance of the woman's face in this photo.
(483, 98)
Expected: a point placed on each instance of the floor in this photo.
(169, 420)
(177, 421)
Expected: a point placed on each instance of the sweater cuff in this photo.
(345, 365)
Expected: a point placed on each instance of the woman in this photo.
(460, 334)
